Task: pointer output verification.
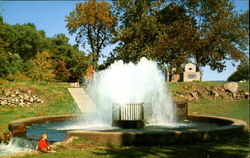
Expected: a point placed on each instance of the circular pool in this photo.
(194, 129)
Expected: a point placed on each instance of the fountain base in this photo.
(220, 128)
(129, 124)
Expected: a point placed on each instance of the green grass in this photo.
(57, 100)
(238, 109)
(220, 107)
(233, 148)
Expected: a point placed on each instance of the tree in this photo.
(174, 42)
(60, 39)
(174, 32)
(24, 40)
(138, 28)
(41, 68)
(220, 37)
(3, 43)
(242, 72)
(71, 64)
(10, 64)
(93, 23)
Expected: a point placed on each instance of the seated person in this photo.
(42, 144)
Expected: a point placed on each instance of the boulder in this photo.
(232, 87)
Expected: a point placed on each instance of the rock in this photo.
(246, 95)
(232, 87)
(29, 92)
(39, 101)
(214, 94)
(3, 103)
(7, 93)
(21, 104)
(26, 97)
(7, 136)
(16, 92)
(18, 97)
(31, 100)
(194, 95)
(2, 139)
(189, 98)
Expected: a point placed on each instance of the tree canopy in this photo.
(92, 22)
(26, 51)
(176, 32)
(205, 32)
(242, 72)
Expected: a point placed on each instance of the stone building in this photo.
(189, 74)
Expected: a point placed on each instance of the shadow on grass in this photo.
(232, 148)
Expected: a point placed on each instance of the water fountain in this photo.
(131, 95)
(133, 108)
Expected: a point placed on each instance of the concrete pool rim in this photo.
(228, 127)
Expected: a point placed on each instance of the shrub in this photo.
(42, 67)
(10, 64)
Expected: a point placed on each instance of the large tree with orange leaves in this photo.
(93, 23)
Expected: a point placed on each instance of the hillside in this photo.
(56, 100)
(202, 99)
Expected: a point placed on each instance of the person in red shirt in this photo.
(42, 144)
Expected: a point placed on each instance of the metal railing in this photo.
(128, 111)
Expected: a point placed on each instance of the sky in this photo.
(50, 17)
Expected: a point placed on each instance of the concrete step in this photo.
(82, 99)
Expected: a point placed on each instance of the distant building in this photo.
(189, 74)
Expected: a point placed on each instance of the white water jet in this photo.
(17, 145)
(131, 83)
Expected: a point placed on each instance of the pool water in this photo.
(57, 131)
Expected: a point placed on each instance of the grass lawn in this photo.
(238, 109)
(58, 101)
(219, 107)
(233, 148)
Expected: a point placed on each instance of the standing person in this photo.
(42, 144)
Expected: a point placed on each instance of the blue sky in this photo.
(50, 15)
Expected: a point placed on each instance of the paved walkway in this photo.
(82, 99)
